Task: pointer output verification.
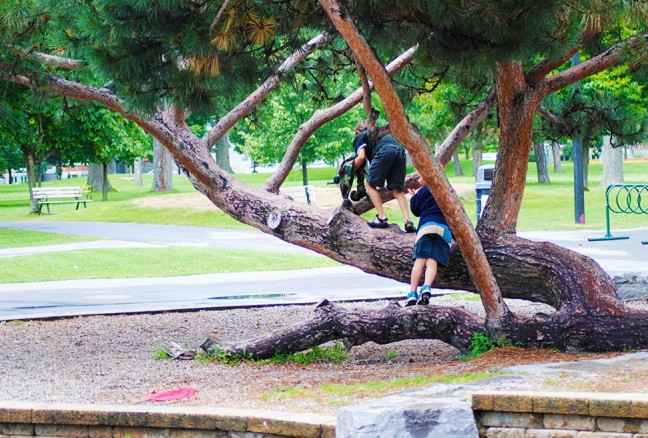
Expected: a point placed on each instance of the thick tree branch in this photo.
(465, 127)
(250, 102)
(497, 314)
(58, 61)
(551, 117)
(321, 117)
(366, 91)
(453, 326)
(594, 65)
(539, 71)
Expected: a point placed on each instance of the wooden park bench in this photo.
(304, 194)
(59, 195)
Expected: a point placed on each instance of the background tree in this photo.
(93, 134)
(436, 113)
(27, 115)
(266, 136)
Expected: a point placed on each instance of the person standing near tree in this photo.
(432, 244)
(386, 163)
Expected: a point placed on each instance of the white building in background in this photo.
(20, 176)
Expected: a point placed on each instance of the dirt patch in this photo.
(325, 197)
(196, 201)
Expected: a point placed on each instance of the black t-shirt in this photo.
(362, 141)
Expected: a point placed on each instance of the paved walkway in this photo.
(78, 297)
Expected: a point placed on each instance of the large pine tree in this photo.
(165, 59)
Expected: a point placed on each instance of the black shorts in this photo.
(432, 246)
(388, 164)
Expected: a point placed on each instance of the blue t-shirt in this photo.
(424, 205)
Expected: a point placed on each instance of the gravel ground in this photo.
(109, 360)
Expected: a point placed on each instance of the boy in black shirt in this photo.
(387, 162)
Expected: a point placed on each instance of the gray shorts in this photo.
(388, 164)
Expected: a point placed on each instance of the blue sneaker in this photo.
(425, 294)
(411, 298)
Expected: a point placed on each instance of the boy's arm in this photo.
(415, 204)
(360, 159)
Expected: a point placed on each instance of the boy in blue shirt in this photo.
(432, 244)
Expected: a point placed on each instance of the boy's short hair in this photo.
(361, 126)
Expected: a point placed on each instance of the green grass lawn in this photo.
(544, 207)
(147, 262)
(11, 238)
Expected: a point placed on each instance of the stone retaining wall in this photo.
(115, 421)
(561, 415)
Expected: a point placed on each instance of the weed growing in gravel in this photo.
(392, 355)
(222, 357)
(334, 354)
(161, 354)
(480, 344)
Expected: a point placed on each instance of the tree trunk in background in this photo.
(457, 164)
(586, 161)
(304, 166)
(137, 172)
(541, 162)
(96, 178)
(612, 163)
(555, 149)
(162, 168)
(31, 177)
(222, 153)
(477, 155)
(105, 183)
